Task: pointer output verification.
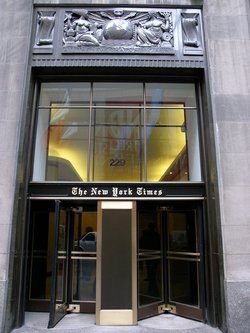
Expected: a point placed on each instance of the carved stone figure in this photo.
(152, 31)
(81, 31)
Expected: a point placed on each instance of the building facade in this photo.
(125, 152)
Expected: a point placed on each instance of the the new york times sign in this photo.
(114, 191)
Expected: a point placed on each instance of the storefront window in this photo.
(111, 131)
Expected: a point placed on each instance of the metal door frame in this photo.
(180, 309)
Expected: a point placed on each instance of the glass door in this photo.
(61, 275)
(181, 237)
(74, 261)
(169, 260)
(83, 258)
(150, 262)
(60, 263)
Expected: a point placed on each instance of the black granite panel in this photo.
(116, 260)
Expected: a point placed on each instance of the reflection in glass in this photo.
(117, 145)
(81, 273)
(183, 257)
(173, 152)
(83, 280)
(62, 131)
(41, 254)
(117, 142)
(61, 258)
(95, 132)
(84, 257)
(67, 150)
(150, 258)
(183, 282)
(168, 259)
(166, 145)
(118, 93)
(182, 231)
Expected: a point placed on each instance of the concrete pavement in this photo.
(85, 323)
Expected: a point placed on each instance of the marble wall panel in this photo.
(236, 201)
(10, 101)
(233, 108)
(3, 287)
(4, 238)
(225, 7)
(9, 142)
(238, 294)
(234, 169)
(227, 27)
(234, 137)
(229, 72)
(3, 264)
(238, 267)
(236, 240)
(6, 202)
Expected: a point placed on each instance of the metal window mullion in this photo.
(90, 130)
(121, 107)
(145, 132)
(140, 143)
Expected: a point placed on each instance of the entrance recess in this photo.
(62, 259)
(169, 260)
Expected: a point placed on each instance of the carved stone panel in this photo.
(191, 34)
(127, 36)
(44, 31)
(118, 31)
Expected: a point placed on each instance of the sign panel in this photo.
(116, 190)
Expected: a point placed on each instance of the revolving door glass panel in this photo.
(170, 274)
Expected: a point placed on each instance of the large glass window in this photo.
(61, 150)
(113, 131)
(173, 152)
(116, 127)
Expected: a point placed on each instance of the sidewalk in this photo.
(84, 323)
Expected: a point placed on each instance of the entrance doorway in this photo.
(63, 237)
(62, 258)
(169, 260)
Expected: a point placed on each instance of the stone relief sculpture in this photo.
(81, 31)
(190, 32)
(155, 31)
(118, 28)
(119, 31)
(45, 26)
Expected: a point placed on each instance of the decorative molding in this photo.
(66, 36)
(191, 33)
(190, 3)
(45, 31)
(119, 62)
(118, 30)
